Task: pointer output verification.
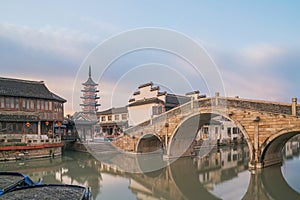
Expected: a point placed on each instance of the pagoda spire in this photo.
(90, 72)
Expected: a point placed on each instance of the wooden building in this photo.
(30, 117)
(28, 107)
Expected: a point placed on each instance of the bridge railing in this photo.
(189, 107)
(257, 105)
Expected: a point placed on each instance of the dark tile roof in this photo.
(25, 88)
(146, 101)
(145, 85)
(90, 82)
(193, 92)
(118, 110)
(120, 123)
(176, 100)
(19, 118)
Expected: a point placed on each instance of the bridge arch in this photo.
(271, 149)
(189, 128)
(149, 143)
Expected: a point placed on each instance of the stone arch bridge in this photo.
(265, 125)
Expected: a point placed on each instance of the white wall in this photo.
(138, 114)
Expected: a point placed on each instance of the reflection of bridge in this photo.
(187, 178)
(266, 127)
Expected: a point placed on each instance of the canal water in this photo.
(218, 173)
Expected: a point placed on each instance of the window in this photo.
(32, 104)
(117, 117)
(229, 157)
(42, 105)
(50, 105)
(12, 102)
(216, 130)
(103, 118)
(109, 118)
(205, 130)
(38, 104)
(16, 103)
(124, 116)
(2, 102)
(23, 103)
(235, 130)
(46, 105)
(28, 104)
(229, 131)
(7, 104)
(234, 157)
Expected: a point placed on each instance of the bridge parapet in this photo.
(215, 104)
(260, 121)
(257, 105)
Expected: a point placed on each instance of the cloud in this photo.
(254, 86)
(61, 42)
(261, 54)
(263, 71)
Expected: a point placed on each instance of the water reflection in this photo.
(221, 174)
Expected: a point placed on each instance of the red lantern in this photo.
(27, 124)
(47, 123)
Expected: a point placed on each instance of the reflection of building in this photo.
(220, 129)
(86, 120)
(148, 101)
(292, 147)
(113, 120)
(221, 165)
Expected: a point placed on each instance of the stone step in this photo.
(100, 146)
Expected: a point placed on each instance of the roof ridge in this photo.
(21, 80)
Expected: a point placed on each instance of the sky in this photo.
(254, 47)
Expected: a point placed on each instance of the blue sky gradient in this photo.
(255, 44)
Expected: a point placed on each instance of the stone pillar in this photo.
(256, 140)
(39, 131)
(217, 98)
(294, 106)
(166, 137)
(256, 143)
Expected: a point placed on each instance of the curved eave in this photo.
(89, 97)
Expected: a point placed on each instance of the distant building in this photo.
(86, 120)
(90, 98)
(113, 121)
(148, 102)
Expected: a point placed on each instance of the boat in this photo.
(14, 185)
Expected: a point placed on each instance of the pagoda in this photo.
(89, 98)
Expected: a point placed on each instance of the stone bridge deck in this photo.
(266, 126)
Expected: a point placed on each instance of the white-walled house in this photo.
(148, 102)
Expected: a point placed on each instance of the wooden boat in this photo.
(14, 185)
